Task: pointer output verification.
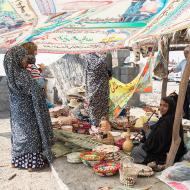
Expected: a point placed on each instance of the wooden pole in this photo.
(176, 140)
(165, 48)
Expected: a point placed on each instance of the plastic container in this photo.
(128, 173)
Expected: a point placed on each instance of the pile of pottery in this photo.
(104, 134)
(64, 123)
(60, 118)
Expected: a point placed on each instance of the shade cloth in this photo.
(75, 26)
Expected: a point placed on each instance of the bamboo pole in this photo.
(165, 48)
(176, 140)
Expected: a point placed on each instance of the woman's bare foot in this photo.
(155, 167)
(29, 169)
(152, 165)
(160, 168)
(13, 166)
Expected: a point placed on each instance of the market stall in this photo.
(76, 27)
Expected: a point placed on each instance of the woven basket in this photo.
(91, 158)
(90, 163)
(128, 178)
(74, 158)
(106, 168)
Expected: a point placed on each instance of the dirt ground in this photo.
(23, 180)
(81, 177)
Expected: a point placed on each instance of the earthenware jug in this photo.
(128, 144)
(105, 124)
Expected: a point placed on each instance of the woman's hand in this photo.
(146, 127)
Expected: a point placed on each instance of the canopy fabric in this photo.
(120, 93)
(80, 26)
(175, 17)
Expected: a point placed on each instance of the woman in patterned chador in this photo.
(31, 131)
(97, 86)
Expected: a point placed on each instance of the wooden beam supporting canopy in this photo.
(178, 48)
(164, 46)
(173, 47)
(176, 140)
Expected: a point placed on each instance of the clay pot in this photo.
(105, 124)
(128, 144)
(106, 138)
(124, 134)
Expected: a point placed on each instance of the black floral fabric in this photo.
(97, 86)
(30, 160)
(31, 129)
